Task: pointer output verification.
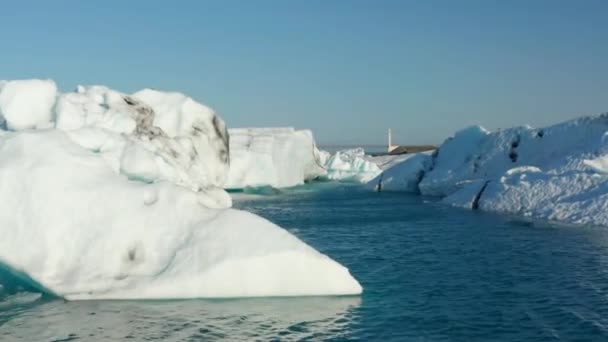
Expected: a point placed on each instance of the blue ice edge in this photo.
(13, 281)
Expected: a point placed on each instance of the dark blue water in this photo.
(429, 272)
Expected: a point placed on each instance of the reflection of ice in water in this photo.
(236, 319)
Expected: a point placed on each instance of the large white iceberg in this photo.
(276, 157)
(556, 173)
(111, 203)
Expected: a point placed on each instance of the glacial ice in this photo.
(104, 201)
(276, 157)
(350, 165)
(279, 157)
(554, 173)
(386, 161)
(166, 136)
(403, 176)
(26, 103)
(448, 171)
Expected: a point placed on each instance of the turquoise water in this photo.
(429, 272)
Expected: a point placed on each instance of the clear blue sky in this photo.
(345, 69)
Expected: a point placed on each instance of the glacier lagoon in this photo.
(430, 272)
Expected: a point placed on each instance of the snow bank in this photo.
(557, 173)
(85, 232)
(277, 157)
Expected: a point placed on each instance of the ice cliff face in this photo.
(556, 173)
(109, 195)
(277, 157)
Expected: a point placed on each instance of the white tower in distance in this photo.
(391, 147)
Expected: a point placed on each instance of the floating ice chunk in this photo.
(523, 169)
(26, 104)
(277, 157)
(90, 233)
(351, 165)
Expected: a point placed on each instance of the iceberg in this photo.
(282, 157)
(276, 157)
(403, 176)
(121, 196)
(354, 165)
(554, 173)
(350, 165)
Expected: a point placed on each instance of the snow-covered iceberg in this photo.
(556, 173)
(276, 157)
(120, 196)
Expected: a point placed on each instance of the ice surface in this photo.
(387, 161)
(150, 136)
(277, 157)
(196, 127)
(556, 173)
(85, 232)
(404, 176)
(350, 165)
(284, 157)
(454, 157)
(26, 103)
